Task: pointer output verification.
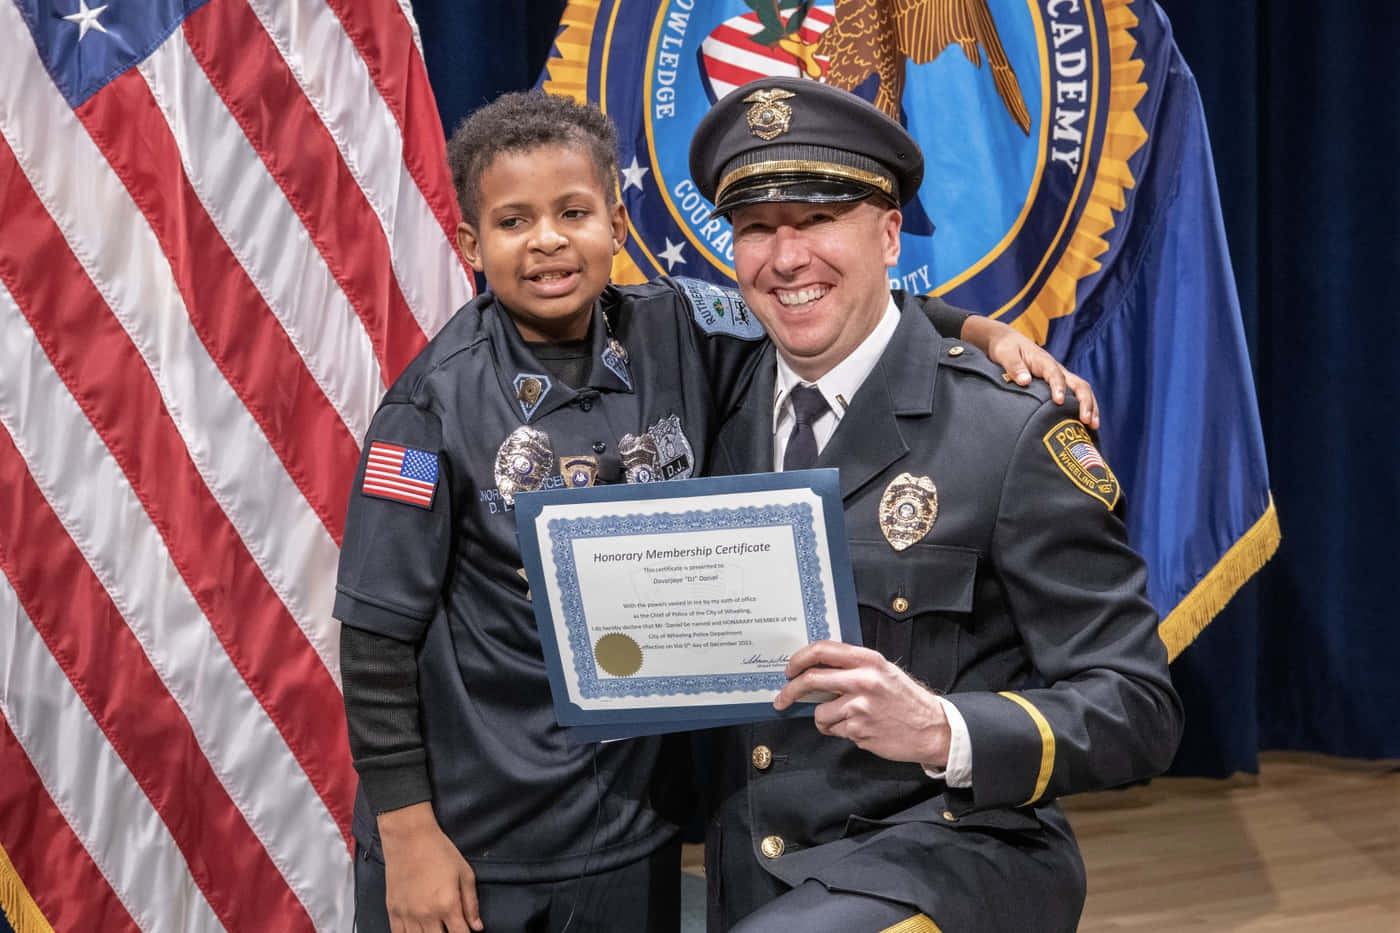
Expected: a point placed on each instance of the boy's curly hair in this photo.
(524, 120)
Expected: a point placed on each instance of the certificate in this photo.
(676, 605)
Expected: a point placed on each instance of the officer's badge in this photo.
(638, 457)
(1074, 452)
(615, 359)
(523, 462)
(908, 510)
(769, 117)
(579, 472)
(530, 390)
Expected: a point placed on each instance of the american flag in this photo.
(400, 473)
(730, 57)
(1087, 455)
(225, 226)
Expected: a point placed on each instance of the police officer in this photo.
(1010, 653)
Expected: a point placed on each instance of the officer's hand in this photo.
(878, 705)
(1023, 358)
(427, 883)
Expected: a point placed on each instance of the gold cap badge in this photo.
(769, 117)
(908, 510)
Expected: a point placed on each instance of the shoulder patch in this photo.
(402, 474)
(719, 311)
(1074, 453)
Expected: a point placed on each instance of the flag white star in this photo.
(87, 18)
(632, 174)
(672, 254)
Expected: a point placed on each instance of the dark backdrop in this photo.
(1304, 119)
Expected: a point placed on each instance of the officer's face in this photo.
(545, 239)
(815, 275)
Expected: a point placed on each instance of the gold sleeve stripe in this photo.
(1047, 745)
(919, 923)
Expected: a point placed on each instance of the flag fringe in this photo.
(1242, 561)
(15, 903)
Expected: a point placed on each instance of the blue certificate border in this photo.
(561, 533)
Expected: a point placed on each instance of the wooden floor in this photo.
(1311, 844)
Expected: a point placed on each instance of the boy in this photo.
(474, 809)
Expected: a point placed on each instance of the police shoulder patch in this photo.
(1074, 453)
(720, 311)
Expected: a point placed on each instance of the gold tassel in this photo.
(20, 909)
(1207, 598)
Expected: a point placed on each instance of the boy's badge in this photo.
(1074, 453)
(579, 472)
(402, 474)
(720, 310)
(615, 359)
(523, 462)
(908, 510)
(638, 457)
(674, 456)
(530, 390)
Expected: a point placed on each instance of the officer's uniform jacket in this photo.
(1023, 603)
(521, 802)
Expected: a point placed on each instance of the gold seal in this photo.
(523, 462)
(530, 390)
(908, 510)
(769, 117)
(618, 654)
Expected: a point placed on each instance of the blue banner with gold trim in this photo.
(1069, 191)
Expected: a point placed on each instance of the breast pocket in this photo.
(915, 604)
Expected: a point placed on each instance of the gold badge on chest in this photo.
(908, 510)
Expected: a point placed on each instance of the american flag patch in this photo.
(401, 473)
(1087, 455)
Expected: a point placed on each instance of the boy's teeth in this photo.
(550, 276)
(802, 297)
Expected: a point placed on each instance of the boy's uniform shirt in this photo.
(430, 557)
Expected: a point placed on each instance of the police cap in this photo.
(793, 139)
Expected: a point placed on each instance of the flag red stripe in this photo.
(110, 381)
(57, 871)
(264, 97)
(88, 638)
(741, 40)
(384, 40)
(392, 478)
(251, 348)
(721, 70)
(396, 491)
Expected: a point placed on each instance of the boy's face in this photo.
(545, 238)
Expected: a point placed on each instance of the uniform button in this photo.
(955, 351)
(948, 815)
(900, 604)
(772, 846)
(762, 757)
(599, 447)
(586, 404)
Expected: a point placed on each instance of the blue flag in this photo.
(1069, 181)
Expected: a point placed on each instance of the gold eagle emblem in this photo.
(878, 36)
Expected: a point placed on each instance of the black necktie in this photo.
(807, 406)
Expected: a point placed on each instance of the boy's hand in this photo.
(427, 883)
(1023, 358)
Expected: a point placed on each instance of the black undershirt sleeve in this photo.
(379, 676)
